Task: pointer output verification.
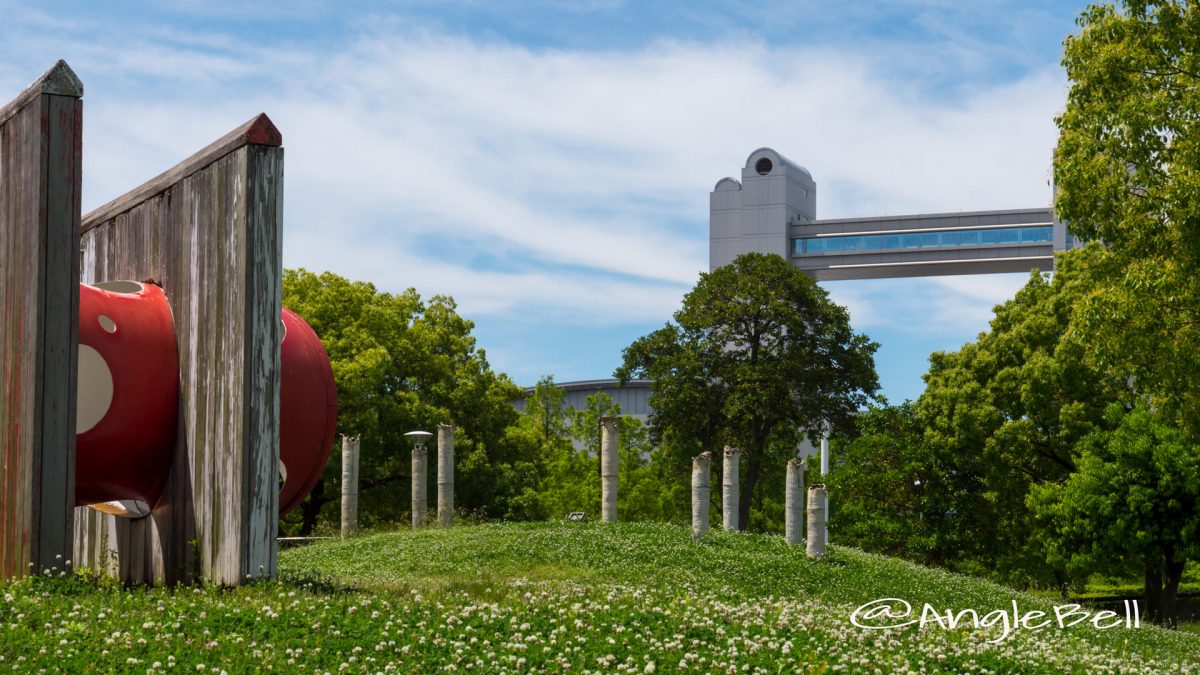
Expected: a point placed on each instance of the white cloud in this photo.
(936, 307)
(560, 186)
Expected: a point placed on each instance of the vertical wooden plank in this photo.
(264, 303)
(40, 141)
(210, 231)
(61, 323)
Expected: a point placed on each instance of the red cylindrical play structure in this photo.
(127, 413)
(127, 416)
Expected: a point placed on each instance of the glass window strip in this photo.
(923, 240)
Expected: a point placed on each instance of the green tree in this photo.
(757, 355)
(1127, 173)
(889, 495)
(400, 363)
(545, 423)
(572, 476)
(1005, 413)
(1135, 499)
(648, 489)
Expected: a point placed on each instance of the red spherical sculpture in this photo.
(128, 396)
(307, 410)
(127, 412)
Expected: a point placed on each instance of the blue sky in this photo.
(548, 164)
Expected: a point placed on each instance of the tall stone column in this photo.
(793, 529)
(609, 438)
(824, 473)
(731, 487)
(701, 493)
(350, 446)
(445, 474)
(420, 473)
(817, 498)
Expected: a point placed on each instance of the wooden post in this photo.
(209, 230)
(816, 520)
(350, 446)
(609, 440)
(420, 477)
(731, 487)
(793, 529)
(701, 493)
(445, 474)
(40, 150)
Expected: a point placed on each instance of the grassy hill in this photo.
(557, 598)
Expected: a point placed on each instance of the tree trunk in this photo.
(1153, 590)
(752, 471)
(310, 508)
(1172, 571)
(1064, 585)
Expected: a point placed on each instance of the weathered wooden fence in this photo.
(40, 145)
(208, 231)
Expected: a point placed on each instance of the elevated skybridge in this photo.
(978, 242)
(773, 210)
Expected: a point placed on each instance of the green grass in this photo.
(555, 598)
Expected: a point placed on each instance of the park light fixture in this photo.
(420, 469)
(418, 438)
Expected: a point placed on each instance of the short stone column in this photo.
(701, 493)
(731, 487)
(609, 456)
(350, 446)
(793, 510)
(420, 473)
(816, 520)
(445, 474)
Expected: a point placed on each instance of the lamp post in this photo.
(420, 469)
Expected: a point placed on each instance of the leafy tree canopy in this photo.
(757, 355)
(1135, 499)
(1127, 172)
(400, 363)
(1007, 411)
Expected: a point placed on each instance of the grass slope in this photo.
(555, 598)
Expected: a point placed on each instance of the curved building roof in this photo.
(633, 397)
(775, 157)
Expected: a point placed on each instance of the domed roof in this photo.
(776, 158)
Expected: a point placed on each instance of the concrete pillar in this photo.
(793, 528)
(445, 474)
(825, 472)
(825, 454)
(701, 493)
(609, 437)
(731, 487)
(817, 498)
(349, 486)
(420, 473)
